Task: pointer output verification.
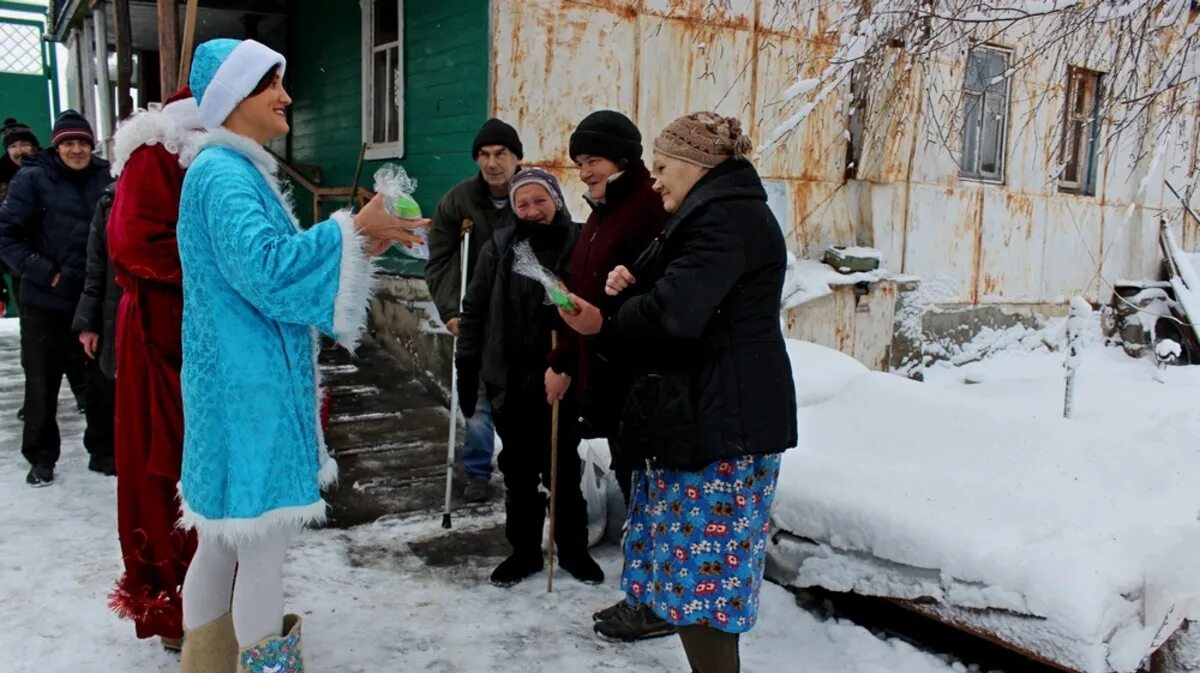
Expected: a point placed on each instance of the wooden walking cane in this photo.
(553, 476)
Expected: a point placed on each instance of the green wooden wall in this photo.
(445, 98)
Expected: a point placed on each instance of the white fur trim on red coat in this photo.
(155, 127)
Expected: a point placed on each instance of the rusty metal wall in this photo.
(1023, 242)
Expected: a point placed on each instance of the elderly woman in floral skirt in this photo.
(712, 406)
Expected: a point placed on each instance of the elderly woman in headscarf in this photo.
(712, 405)
(505, 338)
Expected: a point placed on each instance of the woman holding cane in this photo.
(712, 405)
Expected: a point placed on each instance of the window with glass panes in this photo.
(985, 114)
(1077, 152)
(383, 78)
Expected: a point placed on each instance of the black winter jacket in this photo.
(712, 377)
(44, 226)
(97, 308)
(504, 333)
(470, 200)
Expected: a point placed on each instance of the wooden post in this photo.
(168, 46)
(123, 33)
(189, 42)
(553, 477)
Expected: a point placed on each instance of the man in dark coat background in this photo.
(482, 204)
(44, 227)
(19, 143)
(96, 314)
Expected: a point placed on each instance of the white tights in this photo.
(256, 599)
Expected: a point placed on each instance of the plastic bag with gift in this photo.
(397, 188)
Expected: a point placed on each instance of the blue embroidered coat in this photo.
(256, 290)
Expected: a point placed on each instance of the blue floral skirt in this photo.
(696, 542)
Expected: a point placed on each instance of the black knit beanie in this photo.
(496, 132)
(14, 131)
(70, 125)
(607, 134)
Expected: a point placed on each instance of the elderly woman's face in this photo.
(674, 178)
(533, 203)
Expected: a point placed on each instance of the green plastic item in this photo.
(562, 300)
(405, 206)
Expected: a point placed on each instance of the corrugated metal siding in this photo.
(446, 76)
(554, 61)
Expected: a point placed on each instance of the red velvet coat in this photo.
(149, 409)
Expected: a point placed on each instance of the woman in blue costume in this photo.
(258, 291)
(711, 405)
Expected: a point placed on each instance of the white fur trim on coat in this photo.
(356, 284)
(235, 532)
(327, 474)
(155, 127)
(237, 76)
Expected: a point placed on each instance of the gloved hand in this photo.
(468, 392)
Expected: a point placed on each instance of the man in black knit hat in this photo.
(19, 142)
(44, 225)
(481, 203)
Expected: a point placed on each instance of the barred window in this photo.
(20, 49)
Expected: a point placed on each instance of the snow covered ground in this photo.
(970, 488)
(369, 603)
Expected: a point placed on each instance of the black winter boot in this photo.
(40, 475)
(516, 568)
(582, 567)
(636, 624)
(612, 611)
(103, 465)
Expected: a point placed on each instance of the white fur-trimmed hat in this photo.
(225, 71)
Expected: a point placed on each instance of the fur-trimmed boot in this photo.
(275, 654)
(211, 648)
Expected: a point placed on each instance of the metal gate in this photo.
(28, 83)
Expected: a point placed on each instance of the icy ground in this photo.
(368, 602)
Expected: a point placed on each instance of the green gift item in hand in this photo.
(562, 299)
(405, 207)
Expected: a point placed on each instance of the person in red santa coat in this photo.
(151, 152)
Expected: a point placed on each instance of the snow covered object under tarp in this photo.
(1074, 542)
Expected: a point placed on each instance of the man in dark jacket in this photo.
(44, 226)
(19, 143)
(96, 314)
(626, 215)
(480, 204)
(506, 336)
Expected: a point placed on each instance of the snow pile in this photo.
(912, 490)
(1187, 285)
(809, 279)
(820, 373)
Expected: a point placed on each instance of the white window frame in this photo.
(391, 150)
(973, 173)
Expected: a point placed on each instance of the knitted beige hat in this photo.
(703, 138)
